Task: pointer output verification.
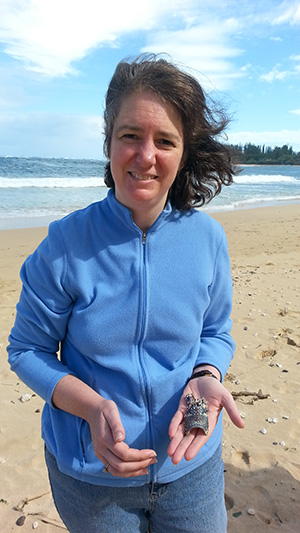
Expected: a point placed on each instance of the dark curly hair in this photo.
(207, 163)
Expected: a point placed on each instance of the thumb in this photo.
(115, 424)
(232, 410)
(119, 436)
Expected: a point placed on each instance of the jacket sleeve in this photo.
(42, 315)
(217, 346)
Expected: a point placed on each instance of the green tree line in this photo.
(251, 154)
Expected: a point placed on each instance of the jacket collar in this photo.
(124, 214)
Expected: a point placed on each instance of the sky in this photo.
(58, 56)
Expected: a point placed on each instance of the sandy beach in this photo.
(262, 461)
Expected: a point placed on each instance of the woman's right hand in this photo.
(108, 437)
(76, 397)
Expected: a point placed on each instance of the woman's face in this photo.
(145, 153)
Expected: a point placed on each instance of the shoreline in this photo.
(44, 220)
(262, 469)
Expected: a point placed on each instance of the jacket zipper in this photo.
(142, 335)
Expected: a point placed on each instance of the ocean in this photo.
(35, 190)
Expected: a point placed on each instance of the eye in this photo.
(165, 143)
(129, 136)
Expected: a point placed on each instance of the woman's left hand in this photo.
(217, 397)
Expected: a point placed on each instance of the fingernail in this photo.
(118, 436)
(153, 461)
(154, 454)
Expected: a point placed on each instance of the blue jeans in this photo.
(194, 503)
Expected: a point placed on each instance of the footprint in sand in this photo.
(229, 502)
(285, 335)
(269, 352)
(263, 496)
(239, 457)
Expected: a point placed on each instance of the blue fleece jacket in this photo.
(131, 315)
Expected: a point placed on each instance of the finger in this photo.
(199, 441)
(179, 447)
(113, 419)
(232, 410)
(115, 472)
(175, 423)
(129, 469)
(124, 453)
(176, 440)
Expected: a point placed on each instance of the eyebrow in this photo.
(161, 133)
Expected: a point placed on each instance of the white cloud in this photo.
(290, 13)
(268, 138)
(50, 35)
(275, 74)
(246, 68)
(205, 48)
(295, 111)
(51, 135)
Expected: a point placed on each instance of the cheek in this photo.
(120, 154)
(116, 159)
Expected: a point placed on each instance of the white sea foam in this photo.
(258, 179)
(34, 188)
(84, 183)
(51, 183)
(252, 202)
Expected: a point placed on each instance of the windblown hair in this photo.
(207, 164)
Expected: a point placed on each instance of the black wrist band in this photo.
(201, 374)
(200, 365)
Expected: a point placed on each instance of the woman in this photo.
(136, 292)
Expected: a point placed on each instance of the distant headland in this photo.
(251, 154)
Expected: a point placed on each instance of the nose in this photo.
(147, 153)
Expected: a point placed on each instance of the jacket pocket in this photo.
(86, 444)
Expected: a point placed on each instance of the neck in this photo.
(145, 220)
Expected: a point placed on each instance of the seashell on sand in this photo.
(272, 420)
(21, 520)
(25, 397)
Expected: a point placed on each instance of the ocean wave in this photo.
(51, 183)
(89, 182)
(234, 205)
(248, 203)
(258, 179)
(34, 213)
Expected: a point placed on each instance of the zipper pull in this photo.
(144, 238)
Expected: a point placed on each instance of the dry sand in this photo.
(262, 461)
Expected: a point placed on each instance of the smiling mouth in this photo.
(142, 177)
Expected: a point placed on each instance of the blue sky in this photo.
(57, 57)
